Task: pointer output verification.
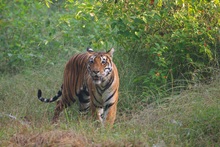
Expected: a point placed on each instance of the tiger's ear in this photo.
(110, 52)
(89, 50)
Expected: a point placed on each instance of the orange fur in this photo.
(92, 79)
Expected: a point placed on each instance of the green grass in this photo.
(189, 119)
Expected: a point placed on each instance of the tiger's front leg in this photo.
(106, 115)
(110, 106)
(109, 114)
(97, 112)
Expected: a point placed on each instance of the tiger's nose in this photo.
(95, 72)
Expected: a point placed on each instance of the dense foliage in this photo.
(164, 42)
(175, 41)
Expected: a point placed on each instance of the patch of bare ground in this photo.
(51, 138)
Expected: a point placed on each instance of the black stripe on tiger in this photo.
(101, 90)
(39, 95)
(85, 109)
(109, 83)
(96, 99)
(96, 105)
(108, 106)
(110, 96)
(83, 96)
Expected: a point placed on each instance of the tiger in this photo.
(92, 79)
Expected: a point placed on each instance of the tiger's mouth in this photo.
(97, 79)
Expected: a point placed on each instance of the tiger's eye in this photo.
(91, 61)
(103, 61)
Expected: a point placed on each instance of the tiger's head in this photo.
(100, 65)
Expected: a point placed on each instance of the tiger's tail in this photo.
(45, 100)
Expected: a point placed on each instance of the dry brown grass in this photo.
(50, 138)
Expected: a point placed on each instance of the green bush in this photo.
(24, 34)
(33, 34)
(176, 41)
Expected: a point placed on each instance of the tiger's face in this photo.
(99, 65)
